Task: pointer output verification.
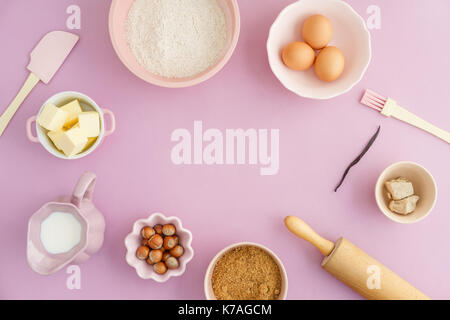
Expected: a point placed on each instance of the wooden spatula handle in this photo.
(6, 117)
(304, 231)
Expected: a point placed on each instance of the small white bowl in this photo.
(87, 104)
(133, 241)
(350, 35)
(209, 292)
(424, 187)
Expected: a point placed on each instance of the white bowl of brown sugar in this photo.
(246, 271)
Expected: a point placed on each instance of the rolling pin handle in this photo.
(304, 231)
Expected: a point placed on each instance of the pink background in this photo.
(226, 204)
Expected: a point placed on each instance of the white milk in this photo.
(60, 232)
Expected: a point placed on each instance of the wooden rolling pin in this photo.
(355, 268)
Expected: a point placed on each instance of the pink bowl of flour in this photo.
(117, 28)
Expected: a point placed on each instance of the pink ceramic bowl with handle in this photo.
(117, 21)
(134, 239)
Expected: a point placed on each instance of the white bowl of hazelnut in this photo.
(159, 247)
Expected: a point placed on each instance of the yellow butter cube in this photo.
(90, 143)
(55, 136)
(73, 141)
(52, 118)
(90, 123)
(73, 108)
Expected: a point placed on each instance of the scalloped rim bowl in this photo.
(117, 18)
(133, 241)
(207, 285)
(350, 35)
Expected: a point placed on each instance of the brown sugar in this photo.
(246, 273)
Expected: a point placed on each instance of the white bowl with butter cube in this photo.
(70, 125)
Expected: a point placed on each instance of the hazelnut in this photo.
(177, 251)
(172, 263)
(160, 268)
(158, 229)
(142, 252)
(155, 242)
(169, 230)
(154, 256)
(147, 232)
(170, 242)
(166, 255)
(144, 242)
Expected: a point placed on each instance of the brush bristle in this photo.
(373, 100)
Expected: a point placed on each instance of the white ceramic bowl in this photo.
(209, 292)
(87, 104)
(350, 35)
(424, 187)
(133, 241)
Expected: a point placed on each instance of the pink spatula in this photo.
(46, 58)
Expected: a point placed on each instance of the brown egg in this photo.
(298, 56)
(329, 64)
(317, 31)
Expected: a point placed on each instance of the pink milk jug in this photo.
(89, 221)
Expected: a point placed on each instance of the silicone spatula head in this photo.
(50, 53)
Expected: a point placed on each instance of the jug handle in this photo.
(84, 188)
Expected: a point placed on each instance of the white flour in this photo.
(176, 38)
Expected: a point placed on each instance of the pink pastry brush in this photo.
(389, 108)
